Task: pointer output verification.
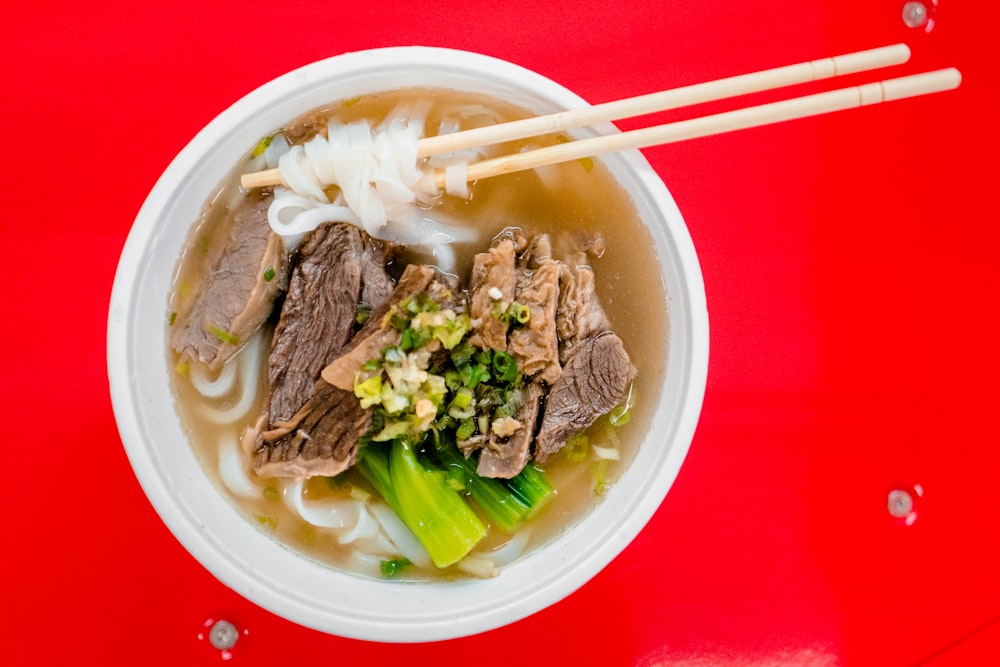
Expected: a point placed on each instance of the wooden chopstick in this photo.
(814, 70)
(764, 114)
(675, 98)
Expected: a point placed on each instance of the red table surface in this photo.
(850, 269)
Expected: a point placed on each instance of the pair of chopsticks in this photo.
(755, 116)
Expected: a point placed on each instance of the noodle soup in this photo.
(340, 521)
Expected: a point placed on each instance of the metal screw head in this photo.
(915, 14)
(900, 503)
(223, 635)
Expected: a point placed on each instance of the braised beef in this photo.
(594, 381)
(579, 314)
(314, 427)
(240, 292)
(506, 457)
(323, 442)
(535, 346)
(376, 334)
(491, 292)
(318, 315)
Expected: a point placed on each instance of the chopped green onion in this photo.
(576, 447)
(223, 335)
(262, 145)
(620, 415)
(362, 312)
(600, 471)
(268, 274)
(271, 494)
(466, 429)
(519, 313)
(267, 521)
(463, 398)
(390, 568)
(505, 367)
(172, 318)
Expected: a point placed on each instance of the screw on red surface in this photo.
(918, 14)
(222, 636)
(902, 503)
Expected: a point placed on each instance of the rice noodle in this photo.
(378, 173)
(248, 361)
(456, 179)
(365, 527)
(275, 149)
(232, 469)
(507, 553)
(208, 387)
(400, 535)
(365, 563)
(329, 513)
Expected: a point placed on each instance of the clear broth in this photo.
(578, 195)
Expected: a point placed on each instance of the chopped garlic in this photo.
(505, 427)
(424, 408)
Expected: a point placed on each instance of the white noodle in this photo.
(365, 527)
(329, 513)
(380, 544)
(456, 179)
(298, 174)
(378, 173)
(212, 388)
(405, 542)
(444, 256)
(277, 148)
(364, 563)
(232, 469)
(507, 553)
(248, 361)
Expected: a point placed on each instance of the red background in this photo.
(852, 288)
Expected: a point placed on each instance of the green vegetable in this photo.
(268, 274)
(390, 568)
(433, 511)
(506, 502)
(172, 318)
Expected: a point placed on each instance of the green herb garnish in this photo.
(268, 274)
(262, 145)
(223, 335)
(390, 568)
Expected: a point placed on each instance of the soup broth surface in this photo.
(557, 200)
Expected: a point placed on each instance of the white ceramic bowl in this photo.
(258, 567)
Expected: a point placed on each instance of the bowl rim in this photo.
(436, 619)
